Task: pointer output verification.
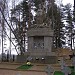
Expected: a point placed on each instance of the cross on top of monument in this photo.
(41, 20)
(40, 15)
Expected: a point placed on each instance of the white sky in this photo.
(67, 1)
(58, 1)
(64, 2)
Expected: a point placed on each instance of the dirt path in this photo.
(37, 69)
(10, 69)
(13, 72)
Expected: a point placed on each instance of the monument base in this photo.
(42, 59)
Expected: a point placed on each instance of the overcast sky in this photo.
(68, 1)
(58, 1)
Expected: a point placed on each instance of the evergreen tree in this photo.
(69, 21)
(57, 24)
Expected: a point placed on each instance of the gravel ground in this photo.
(9, 66)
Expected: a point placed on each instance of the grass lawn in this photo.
(58, 73)
(25, 67)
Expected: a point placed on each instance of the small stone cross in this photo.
(49, 70)
(62, 63)
(66, 70)
(73, 62)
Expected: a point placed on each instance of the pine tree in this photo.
(69, 26)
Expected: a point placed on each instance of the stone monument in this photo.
(40, 39)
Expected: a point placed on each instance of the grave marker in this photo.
(49, 70)
(73, 62)
(66, 70)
